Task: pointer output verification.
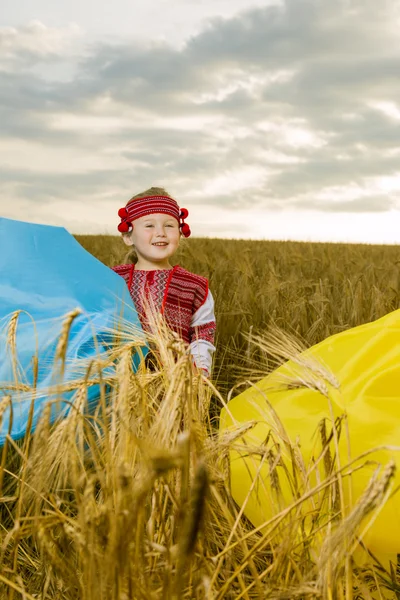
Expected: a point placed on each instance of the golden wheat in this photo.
(132, 499)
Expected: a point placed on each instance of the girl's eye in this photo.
(148, 225)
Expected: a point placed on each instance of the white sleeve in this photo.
(203, 331)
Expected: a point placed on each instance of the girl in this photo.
(152, 223)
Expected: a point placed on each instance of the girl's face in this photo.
(155, 238)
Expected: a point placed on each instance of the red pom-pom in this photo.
(184, 213)
(123, 213)
(123, 227)
(185, 229)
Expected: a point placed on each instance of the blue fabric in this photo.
(46, 273)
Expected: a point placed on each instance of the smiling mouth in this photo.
(160, 244)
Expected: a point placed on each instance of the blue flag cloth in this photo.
(45, 274)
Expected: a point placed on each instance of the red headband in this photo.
(150, 205)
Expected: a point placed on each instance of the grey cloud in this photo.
(373, 204)
(340, 60)
(161, 66)
(46, 187)
(309, 179)
(298, 32)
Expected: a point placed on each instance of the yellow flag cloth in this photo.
(355, 374)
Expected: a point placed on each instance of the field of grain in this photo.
(309, 290)
(133, 501)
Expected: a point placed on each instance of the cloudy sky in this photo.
(266, 119)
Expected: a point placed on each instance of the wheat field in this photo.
(307, 289)
(132, 500)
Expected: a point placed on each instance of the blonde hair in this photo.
(153, 191)
(131, 256)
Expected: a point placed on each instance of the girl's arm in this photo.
(202, 334)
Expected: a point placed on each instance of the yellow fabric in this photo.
(365, 361)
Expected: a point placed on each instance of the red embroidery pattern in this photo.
(124, 271)
(147, 291)
(204, 332)
(149, 205)
(185, 294)
(177, 294)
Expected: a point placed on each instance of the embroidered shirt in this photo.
(185, 301)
